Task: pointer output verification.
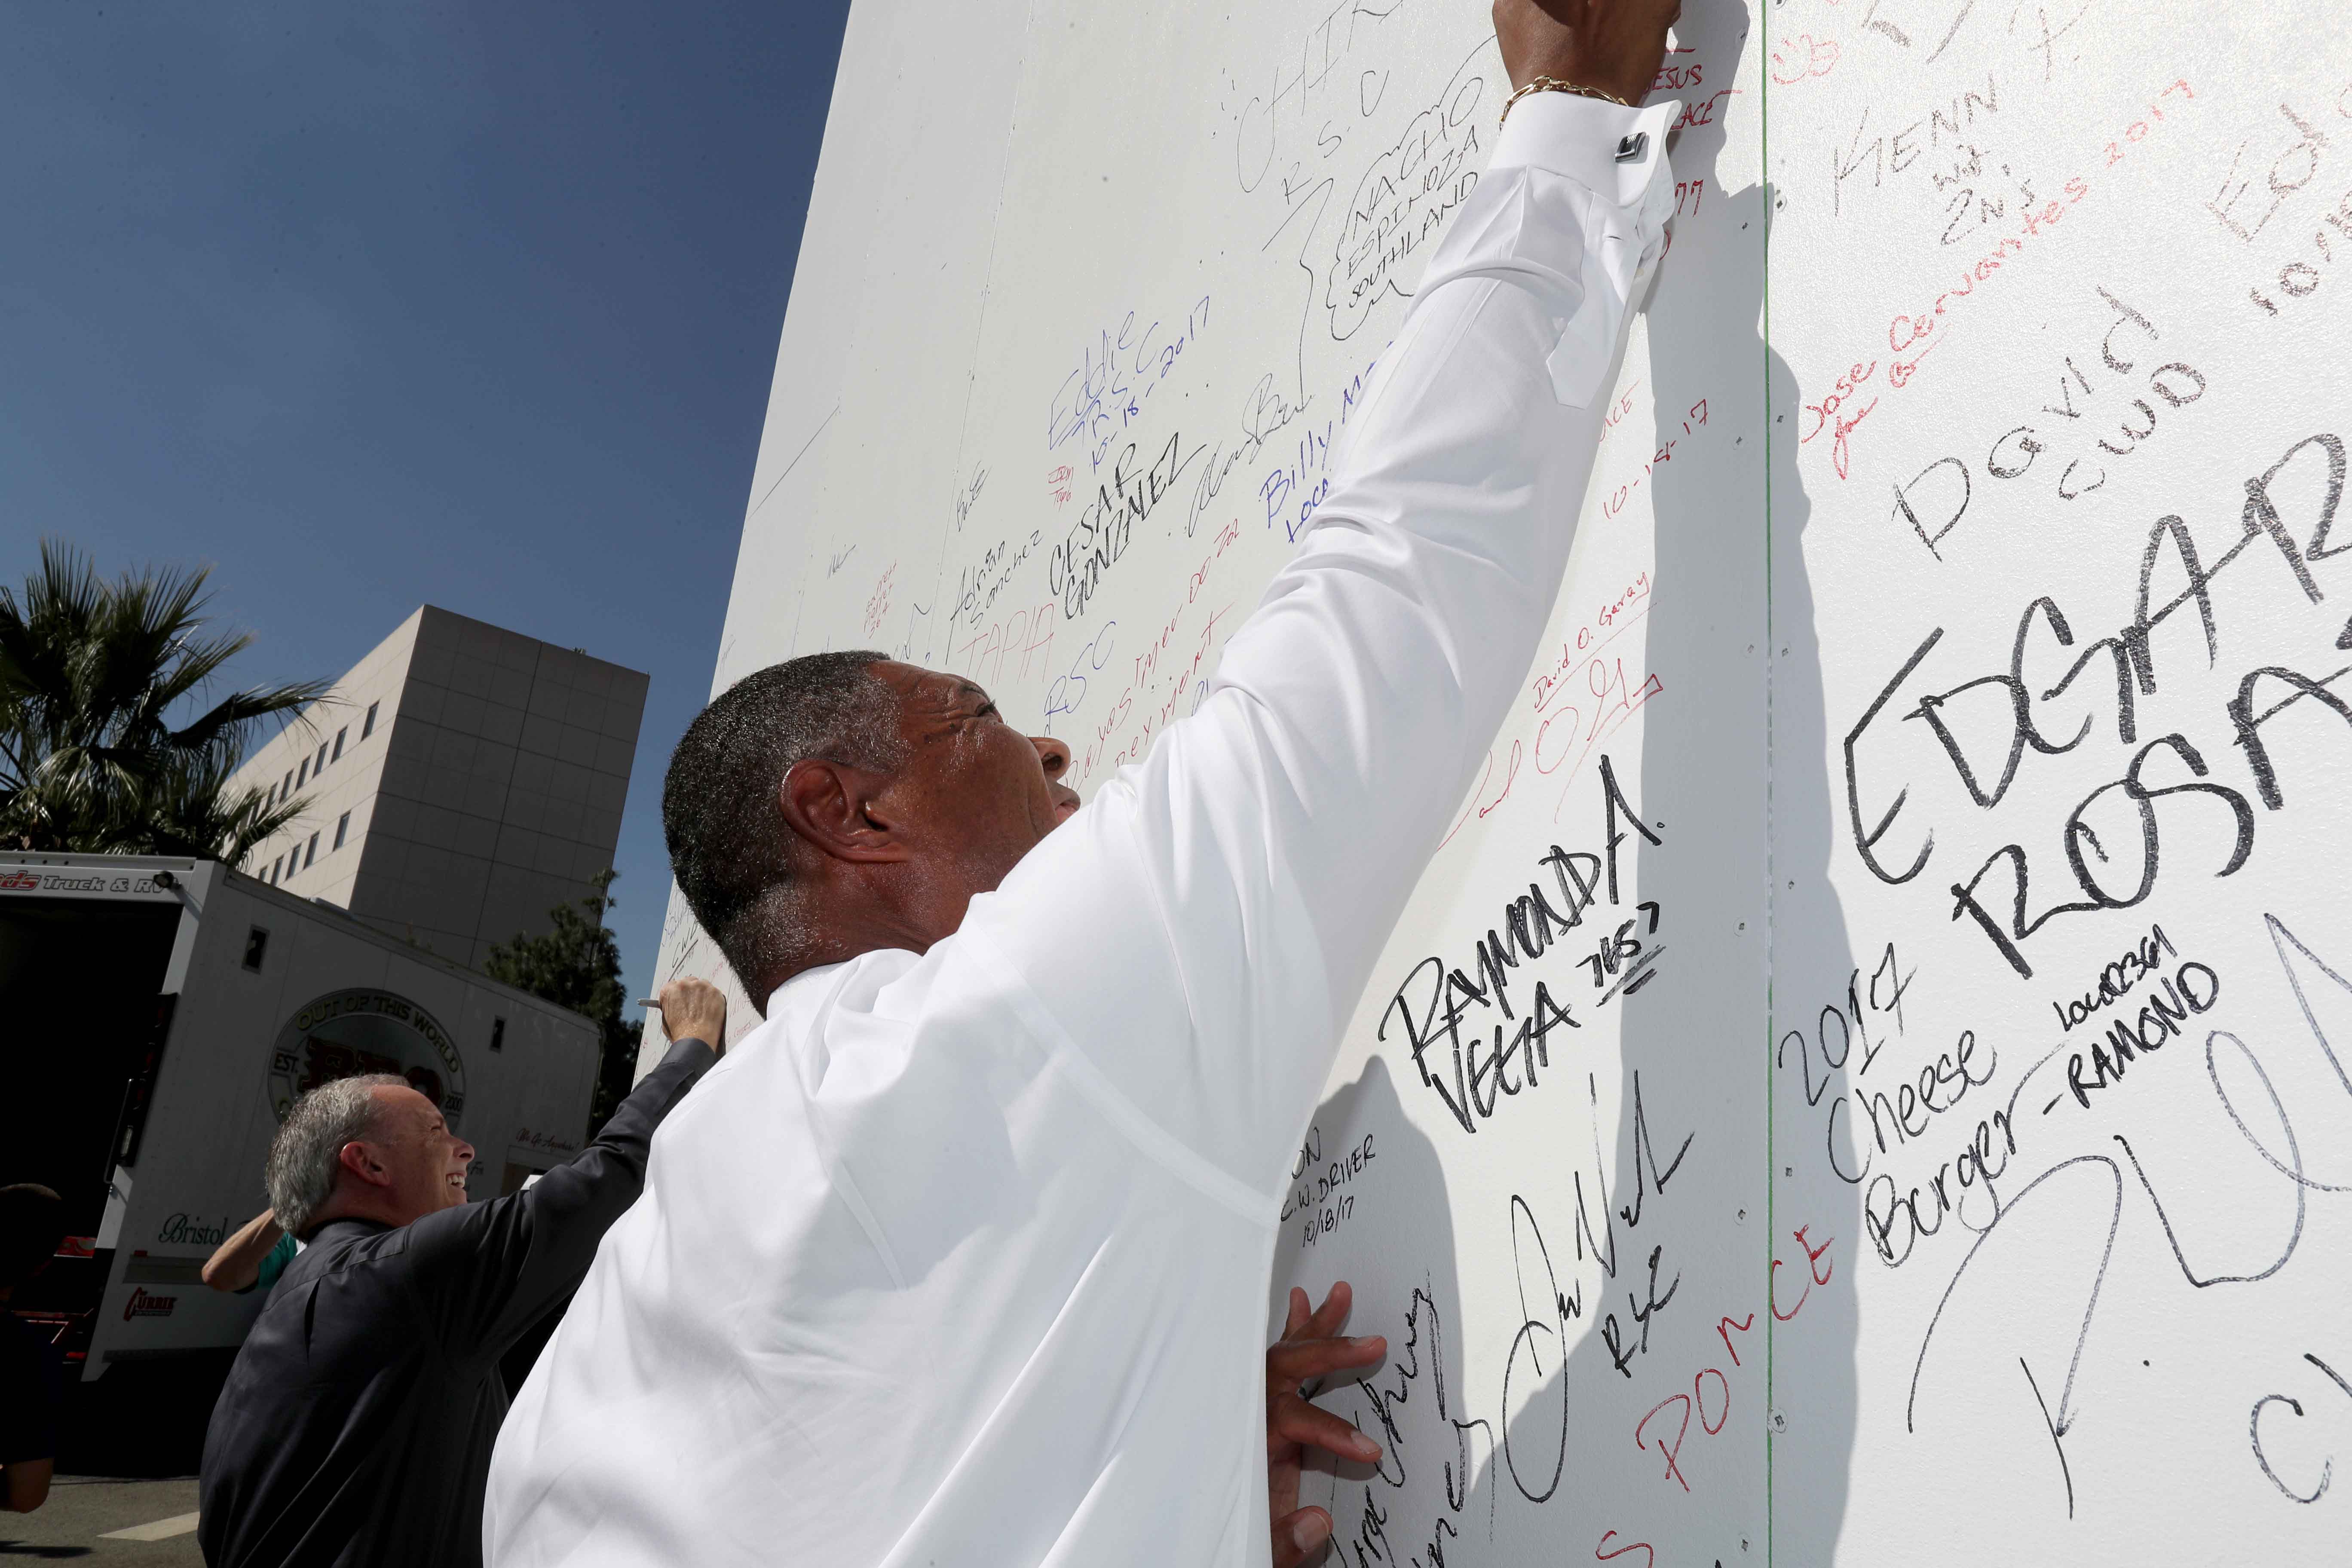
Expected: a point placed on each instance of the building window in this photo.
(302, 773)
(274, 865)
(339, 745)
(311, 858)
(367, 725)
(320, 766)
(257, 942)
(342, 825)
(286, 789)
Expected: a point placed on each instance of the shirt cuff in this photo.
(693, 1050)
(1612, 151)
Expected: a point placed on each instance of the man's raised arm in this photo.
(492, 1269)
(1280, 830)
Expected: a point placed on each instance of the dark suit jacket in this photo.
(356, 1425)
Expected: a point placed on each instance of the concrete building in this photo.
(458, 783)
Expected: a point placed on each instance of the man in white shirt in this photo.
(961, 1257)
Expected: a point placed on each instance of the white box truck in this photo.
(163, 1014)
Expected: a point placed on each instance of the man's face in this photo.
(411, 1146)
(975, 794)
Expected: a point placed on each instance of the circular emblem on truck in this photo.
(346, 1033)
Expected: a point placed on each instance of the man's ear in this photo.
(361, 1161)
(836, 809)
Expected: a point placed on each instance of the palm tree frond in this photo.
(90, 672)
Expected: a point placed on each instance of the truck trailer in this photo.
(164, 1014)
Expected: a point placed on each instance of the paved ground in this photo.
(83, 1512)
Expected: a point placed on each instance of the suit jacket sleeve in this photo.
(489, 1270)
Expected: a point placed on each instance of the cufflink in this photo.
(1630, 148)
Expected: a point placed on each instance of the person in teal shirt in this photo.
(253, 1257)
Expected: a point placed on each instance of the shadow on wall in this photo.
(1658, 1258)
(1822, 1008)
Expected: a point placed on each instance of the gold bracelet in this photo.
(1550, 84)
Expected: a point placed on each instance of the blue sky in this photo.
(373, 306)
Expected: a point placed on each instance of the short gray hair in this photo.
(729, 848)
(309, 1149)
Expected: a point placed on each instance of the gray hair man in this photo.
(357, 1423)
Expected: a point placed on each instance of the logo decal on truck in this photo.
(31, 880)
(553, 1142)
(142, 1305)
(346, 1033)
(184, 1227)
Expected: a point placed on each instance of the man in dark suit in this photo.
(357, 1423)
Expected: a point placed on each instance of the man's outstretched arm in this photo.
(1278, 832)
(490, 1271)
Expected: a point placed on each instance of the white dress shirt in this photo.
(962, 1259)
